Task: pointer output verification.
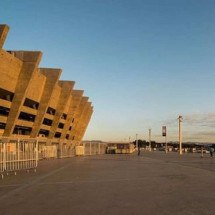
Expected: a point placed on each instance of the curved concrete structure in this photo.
(34, 103)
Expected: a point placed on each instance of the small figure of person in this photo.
(211, 151)
(138, 150)
(201, 152)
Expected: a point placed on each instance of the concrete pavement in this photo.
(152, 183)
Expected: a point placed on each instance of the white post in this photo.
(136, 142)
(180, 134)
(150, 147)
(37, 151)
(99, 148)
(202, 151)
(4, 156)
(18, 153)
(166, 145)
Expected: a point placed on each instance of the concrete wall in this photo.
(35, 103)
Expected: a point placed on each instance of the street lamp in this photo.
(150, 146)
(180, 133)
(136, 142)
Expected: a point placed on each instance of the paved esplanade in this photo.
(153, 183)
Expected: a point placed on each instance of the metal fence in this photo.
(55, 151)
(16, 155)
(94, 148)
(66, 151)
(47, 152)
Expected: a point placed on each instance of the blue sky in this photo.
(141, 62)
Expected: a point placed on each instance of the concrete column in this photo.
(74, 132)
(30, 63)
(75, 101)
(52, 78)
(83, 121)
(4, 29)
(67, 87)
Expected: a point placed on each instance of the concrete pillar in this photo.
(52, 78)
(4, 29)
(74, 132)
(75, 101)
(30, 63)
(67, 87)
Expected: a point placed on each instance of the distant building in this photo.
(120, 148)
(34, 103)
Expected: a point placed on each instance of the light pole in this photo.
(166, 148)
(136, 142)
(164, 135)
(150, 147)
(180, 133)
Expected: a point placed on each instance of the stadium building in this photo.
(34, 103)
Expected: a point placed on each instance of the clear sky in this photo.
(141, 62)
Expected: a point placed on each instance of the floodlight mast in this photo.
(150, 145)
(136, 142)
(180, 119)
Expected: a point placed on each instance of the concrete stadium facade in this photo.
(34, 103)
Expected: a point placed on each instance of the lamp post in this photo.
(136, 142)
(166, 148)
(180, 133)
(150, 146)
(164, 135)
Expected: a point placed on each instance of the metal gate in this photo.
(94, 148)
(18, 155)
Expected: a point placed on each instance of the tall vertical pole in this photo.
(180, 134)
(166, 149)
(150, 146)
(18, 152)
(37, 150)
(99, 148)
(136, 142)
(164, 135)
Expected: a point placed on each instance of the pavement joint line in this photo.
(95, 181)
(10, 185)
(181, 164)
(110, 180)
(195, 167)
(33, 182)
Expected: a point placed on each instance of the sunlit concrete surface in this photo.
(152, 183)
(35, 103)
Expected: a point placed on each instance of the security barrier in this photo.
(94, 148)
(16, 155)
(79, 150)
(47, 152)
(120, 148)
(56, 151)
(2, 159)
(66, 151)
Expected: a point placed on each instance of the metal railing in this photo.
(66, 151)
(47, 152)
(94, 148)
(16, 155)
(56, 151)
